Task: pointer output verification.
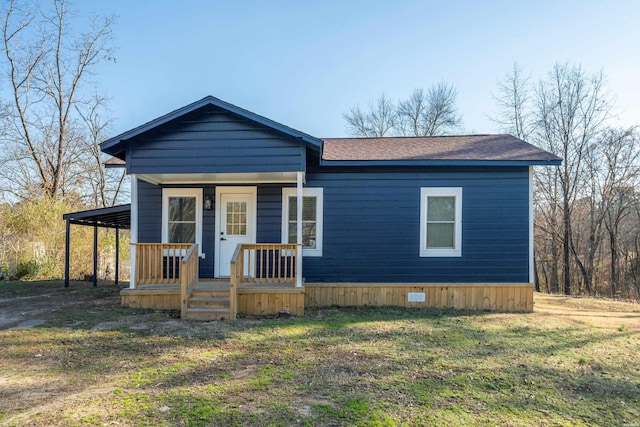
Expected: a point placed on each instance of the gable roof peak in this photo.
(114, 146)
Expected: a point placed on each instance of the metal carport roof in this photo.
(118, 217)
(112, 217)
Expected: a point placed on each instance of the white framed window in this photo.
(441, 222)
(182, 216)
(311, 219)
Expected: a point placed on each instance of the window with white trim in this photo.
(441, 222)
(182, 216)
(311, 219)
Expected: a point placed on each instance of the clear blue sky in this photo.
(304, 63)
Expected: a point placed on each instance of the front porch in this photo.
(253, 299)
(264, 280)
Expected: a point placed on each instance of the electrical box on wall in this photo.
(415, 296)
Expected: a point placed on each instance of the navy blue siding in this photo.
(214, 141)
(150, 220)
(269, 222)
(149, 213)
(372, 224)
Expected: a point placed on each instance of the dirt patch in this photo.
(601, 313)
(30, 304)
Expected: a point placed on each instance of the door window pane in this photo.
(236, 219)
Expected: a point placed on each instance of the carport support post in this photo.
(117, 253)
(95, 256)
(66, 253)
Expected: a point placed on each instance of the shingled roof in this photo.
(464, 148)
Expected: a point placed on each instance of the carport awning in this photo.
(112, 217)
(118, 217)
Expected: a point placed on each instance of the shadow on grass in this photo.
(450, 372)
(347, 366)
(403, 358)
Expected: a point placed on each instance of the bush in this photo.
(26, 269)
(4, 271)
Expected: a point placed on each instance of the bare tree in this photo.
(105, 185)
(47, 67)
(424, 113)
(378, 120)
(429, 113)
(588, 219)
(620, 153)
(516, 115)
(513, 101)
(566, 114)
(571, 111)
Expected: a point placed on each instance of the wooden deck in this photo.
(253, 298)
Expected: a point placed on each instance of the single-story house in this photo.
(217, 227)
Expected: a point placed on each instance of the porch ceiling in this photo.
(221, 178)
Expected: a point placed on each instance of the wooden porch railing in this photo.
(269, 262)
(261, 263)
(188, 277)
(159, 263)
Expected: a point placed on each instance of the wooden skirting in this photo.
(259, 302)
(515, 297)
(463, 296)
(251, 301)
(158, 299)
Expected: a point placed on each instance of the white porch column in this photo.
(299, 230)
(532, 278)
(134, 229)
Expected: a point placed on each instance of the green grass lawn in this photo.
(94, 363)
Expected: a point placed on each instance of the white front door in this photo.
(235, 223)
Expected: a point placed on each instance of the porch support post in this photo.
(117, 254)
(67, 245)
(134, 230)
(95, 256)
(299, 230)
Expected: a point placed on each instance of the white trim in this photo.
(133, 230)
(245, 178)
(182, 192)
(299, 249)
(306, 191)
(252, 226)
(426, 192)
(532, 278)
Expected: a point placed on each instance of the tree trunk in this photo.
(614, 261)
(553, 280)
(536, 279)
(566, 225)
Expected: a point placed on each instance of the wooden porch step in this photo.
(207, 314)
(206, 293)
(209, 302)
